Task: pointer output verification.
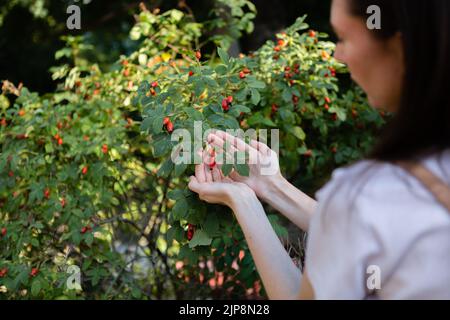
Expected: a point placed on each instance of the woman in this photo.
(374, 215)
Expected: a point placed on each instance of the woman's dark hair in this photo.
(422, 123)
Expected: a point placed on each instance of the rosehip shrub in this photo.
(86, 178)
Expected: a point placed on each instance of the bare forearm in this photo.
(279, 274)
(290, 201)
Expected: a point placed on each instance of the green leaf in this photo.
(165, 169)
(256, 84)
(242, 169)
(36, 287)
(226, 169)
(200, 238)
(180, 209)
(157, 125)
(256, 97)
(223, 55)
(297, 132)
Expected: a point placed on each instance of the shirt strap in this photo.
(433, 183)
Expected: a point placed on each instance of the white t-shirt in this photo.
(374, 219)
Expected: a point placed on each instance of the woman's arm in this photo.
(290, 201)
(281, 277)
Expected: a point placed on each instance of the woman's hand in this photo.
(213, 187)
(263, 162)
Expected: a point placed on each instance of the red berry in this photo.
(84, 170)
(191, 73)
(277, 48)
(308, 154)
(242, 74)
(152, 92)
(212, 164)
(287, 69)
(154, 84)
(327, 100)
(3, 272)
(21, 112)
(334, 117)
(198, 55)
(86, 138)
(105, 148)
(63, 202)
(11, 174)
(274, 108)
(312, 33)
(166, 120)
(327, 107)
(230, 99)
(60, 141)
(47, 193)
(169, 127)
(280, 42)
(190, 232)
(34, 272)
(126, 72)
(3, 122)
(84, 230)
(4, 231)
(56, 136)
(246, 71)
(125, 63)
(59, 125)
(225, 105)
(294, 99)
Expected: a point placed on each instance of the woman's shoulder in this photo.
(380, 190)
(383, 177)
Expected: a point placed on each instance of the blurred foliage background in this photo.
(30, 30)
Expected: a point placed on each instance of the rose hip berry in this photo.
(3, 272)
(190, 232)
(105, 149)
(84, 170)
(34, 272)
(4, 232)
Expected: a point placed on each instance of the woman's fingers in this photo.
(194, 184)
(235, 141)
(261, 147)
(224, 140)
(200, 173)
(216, 174)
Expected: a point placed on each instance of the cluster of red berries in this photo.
(58, 139)
(153, 85)
(85, 229)
(190, 231)
(226, 103)
(244, 73)
(168, 124)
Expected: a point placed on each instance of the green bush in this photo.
(86, 177)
